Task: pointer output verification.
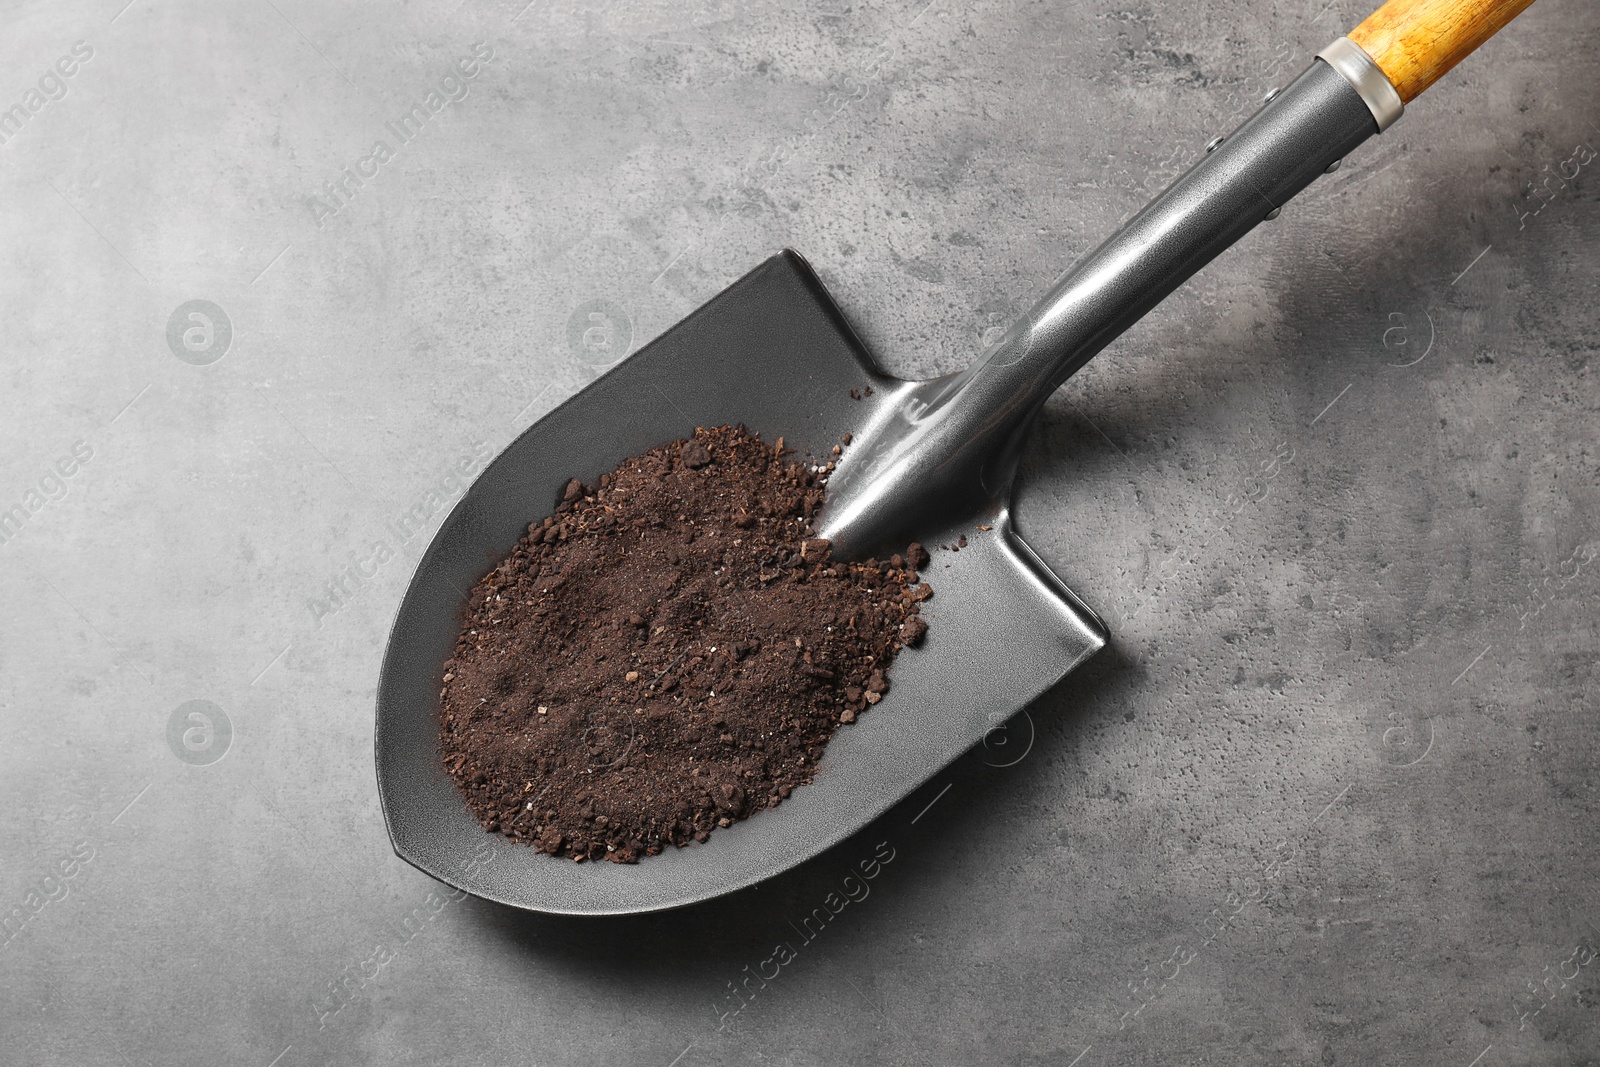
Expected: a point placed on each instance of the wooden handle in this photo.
(1415, 41)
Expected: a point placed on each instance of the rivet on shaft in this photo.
(1212, 145)
(1334, 165)
(1274, 213)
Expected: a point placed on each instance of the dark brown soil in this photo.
(668, 653)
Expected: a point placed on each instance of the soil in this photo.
(668, 653)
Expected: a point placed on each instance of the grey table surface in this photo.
(1329, 798)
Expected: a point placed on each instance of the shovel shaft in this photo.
(946, 448)
(1414, 42)
(1243, 180)
(1394, 55)
(949, 445)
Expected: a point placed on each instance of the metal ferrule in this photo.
(1352, 61)
(948, 447)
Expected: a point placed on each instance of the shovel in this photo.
(931, 461)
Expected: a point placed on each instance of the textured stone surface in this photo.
(1316, 496)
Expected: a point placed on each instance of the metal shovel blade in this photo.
(773, 352)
